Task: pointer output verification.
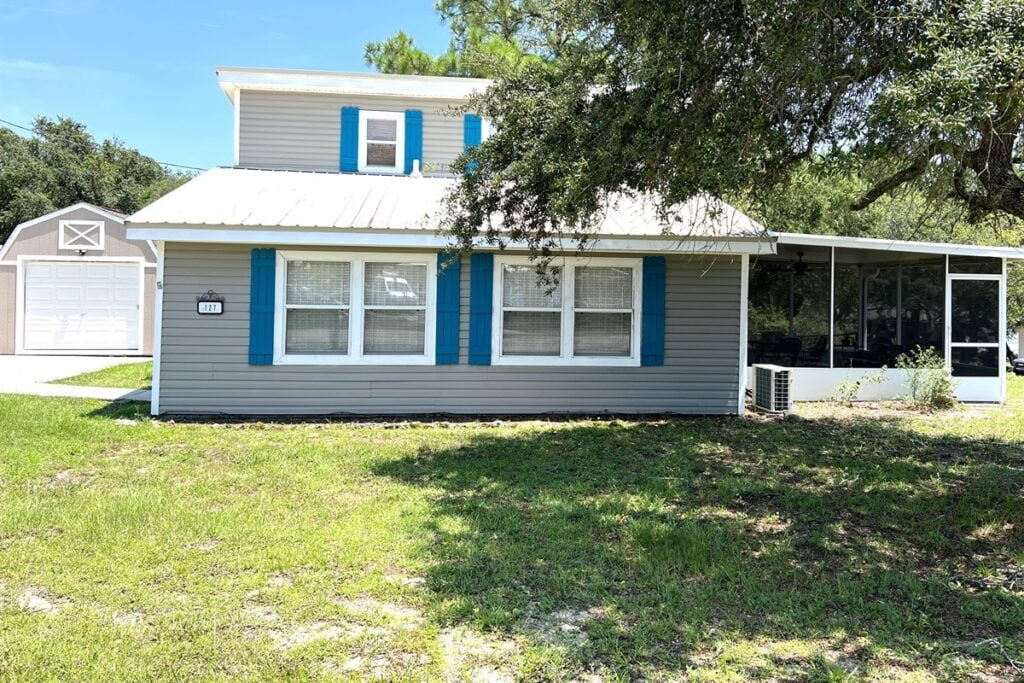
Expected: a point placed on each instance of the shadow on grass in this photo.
(680, 532)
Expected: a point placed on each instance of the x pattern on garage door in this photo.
(87, 306)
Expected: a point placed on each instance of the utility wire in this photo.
(162, 163)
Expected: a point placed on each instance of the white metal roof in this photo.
(250, 198)
(899, 245)
(232, 79)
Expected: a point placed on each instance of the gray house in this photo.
(312, 278)
(71, 282)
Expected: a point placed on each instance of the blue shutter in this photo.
(413, 138)
(652, 333)
(472, 132)
(349, 159)
(481, 305)
(261, 306)
(447, 341)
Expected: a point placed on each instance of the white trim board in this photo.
(431, 240)
(234, 79)
(158, 326)
(567, 310)
(798, 239)
(741, 407)
(356, 308)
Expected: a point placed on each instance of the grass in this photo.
(845, 545)
(124, 376)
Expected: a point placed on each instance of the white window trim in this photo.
(487, 129)
(568, 281)
(356, 308)
(82, 229)
(399, 118)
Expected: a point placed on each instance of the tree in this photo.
(727, 98)
(488, 37)
(62, 164)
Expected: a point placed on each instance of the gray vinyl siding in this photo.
(204, 366)
(8, 286)
(302, 131)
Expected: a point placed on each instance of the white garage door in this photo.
(81, 306)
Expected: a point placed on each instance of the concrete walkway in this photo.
(32, 374)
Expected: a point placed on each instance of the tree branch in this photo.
(904, 175)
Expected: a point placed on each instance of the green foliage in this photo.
(488, 37)
(848, 390)
(63, 164)
(679, 99)
(931, 384)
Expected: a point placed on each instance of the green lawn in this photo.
(124, 376)
(833, 547)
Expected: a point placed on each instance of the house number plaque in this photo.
(210, 303)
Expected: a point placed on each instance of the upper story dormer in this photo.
(354, 122)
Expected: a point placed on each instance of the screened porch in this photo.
(835, 312)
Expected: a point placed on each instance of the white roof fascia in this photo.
(432, 240)
(233, 79)
(54, 214)
(898, 245)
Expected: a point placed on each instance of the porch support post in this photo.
(741, 399)
(1002, 334)
(948, 320)
(832, 309)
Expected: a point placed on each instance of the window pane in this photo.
(396, 284)
(602, 334)
(382, 129)
(604, 287)
(527, 333)
(394, 332)
(973, 362)
(318, 283)
(975, 311)
(522, 290)
(975, 264)
(316, 331)
(378, 154)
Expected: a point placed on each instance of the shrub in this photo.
(931, 385)
(848, 390)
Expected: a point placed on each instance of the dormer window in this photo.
(381, 141)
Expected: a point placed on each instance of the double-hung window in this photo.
(343, 308)
(381, 141)
(587, 314)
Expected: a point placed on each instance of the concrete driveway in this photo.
(32, 374)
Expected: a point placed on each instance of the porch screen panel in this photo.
(788, 318)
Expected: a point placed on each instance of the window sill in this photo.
(354, 361)
(382, 170)
(555, 361)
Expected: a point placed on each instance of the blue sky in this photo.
(144, 71)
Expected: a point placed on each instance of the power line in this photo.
(162, 163)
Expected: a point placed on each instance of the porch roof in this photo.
(800, 239)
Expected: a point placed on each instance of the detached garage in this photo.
(71, 283)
